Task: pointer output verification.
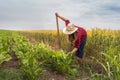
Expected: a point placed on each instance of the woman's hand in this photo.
(73, 44)
(61, 17)
(74, 51)
(56, 14)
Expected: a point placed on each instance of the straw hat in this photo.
(70, 29)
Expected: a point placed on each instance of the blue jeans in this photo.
(80, 51)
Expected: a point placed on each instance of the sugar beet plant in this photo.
(4, 47)
(57, 60)
(27, 53)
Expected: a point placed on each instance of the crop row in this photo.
(102, 45)
(33, 56)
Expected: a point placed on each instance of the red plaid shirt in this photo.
(81, 35)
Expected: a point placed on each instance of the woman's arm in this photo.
(61, 17)
(74, 51)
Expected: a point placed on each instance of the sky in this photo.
(40, 14)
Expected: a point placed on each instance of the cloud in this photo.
(39, 14)
(100, 14)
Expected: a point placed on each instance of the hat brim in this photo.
(69, 32)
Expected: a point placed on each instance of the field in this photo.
(36, 55)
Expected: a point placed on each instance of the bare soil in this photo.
(14, 62)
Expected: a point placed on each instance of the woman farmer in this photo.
(77, 36)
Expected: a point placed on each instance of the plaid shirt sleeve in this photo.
(67, 22)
